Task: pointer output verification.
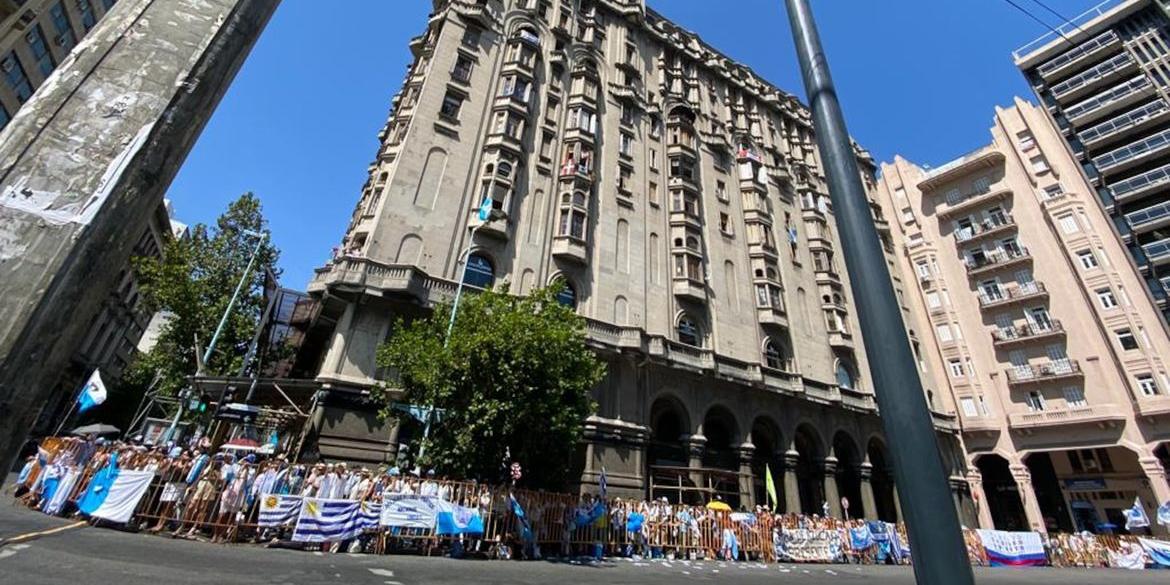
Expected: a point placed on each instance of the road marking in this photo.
(34, 535)
(7, 552)
(382, 572)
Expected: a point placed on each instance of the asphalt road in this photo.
(95, 555)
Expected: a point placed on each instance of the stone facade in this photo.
(1048, 340)
(679, 197)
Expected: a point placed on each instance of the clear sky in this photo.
(298, 127)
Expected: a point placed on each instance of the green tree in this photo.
(193, 282)
(516, 374)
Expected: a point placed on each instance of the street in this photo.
(77, 556)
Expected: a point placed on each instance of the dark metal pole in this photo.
(936, 538)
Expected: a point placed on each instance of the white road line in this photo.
(382, 572)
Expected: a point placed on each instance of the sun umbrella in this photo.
(718, 505)
(96, 429)
(240, 444)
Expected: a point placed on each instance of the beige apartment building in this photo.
(35, 36)
(680, 199)
(1041, 326)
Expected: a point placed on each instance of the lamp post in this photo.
(260, 239)
(940, 555)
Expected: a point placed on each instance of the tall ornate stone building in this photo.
(1050, 344)
(680, 199)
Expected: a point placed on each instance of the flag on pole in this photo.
(93, 393)
(485, 208)
(770, 486)
(601, 484)
(1135, 517)
(1164, 514)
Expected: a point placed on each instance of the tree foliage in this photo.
(516, 374)
(193, 282)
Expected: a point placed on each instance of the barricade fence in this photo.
(226, 501)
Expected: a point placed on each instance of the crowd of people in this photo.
(198, 493)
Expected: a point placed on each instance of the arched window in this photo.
(846, 378)
(772, 356)
(688, 332)
(504, 169)
(567, 296)
(479, 272)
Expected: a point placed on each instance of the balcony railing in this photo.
(1092, 75)
(1152, 144)
(1165, 282)
(1012, 294)
(1108, 98)
(1130, 119)
(984, 228)
(1066, 416)
(1001, 257)
(1149, 218)
(1027, 331)
(1053, 370)
(1138, 184)
(1069, 57)
(1157, 252)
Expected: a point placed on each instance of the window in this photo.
(725, 223)
(944, 333)
(1074, 396)
(574, 210)
(1087, 259)
(1068, 224)
(626, 145)
(955, 365)
(1053, 191)
(627, 117)
(722, 159)
(969, 408)
(981, 185)
(652, 194)
(900, 194)
(721, 190)
(1035, 401)
(907, 215)
(688, 332)
(845, 374)
(462, 70)
(567, 296)
(1147, 385)
(452, 103)
(88, 19)
(1025, 141)
(923, 269)
(773, 357)
(1106, 298)
(933, 300)
(546, 146)
(471, 36)
(654, 159)
(40, 50)
(1039, 164)
(655, 127)
(1126, 339)
(479, 272)
(65, 36)
(625, 178)
(17, 80)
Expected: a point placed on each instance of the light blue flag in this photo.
(99, 487)
(485, 208)
(93, 393)
(1164, 514)
(455, 519)
(1135, 517)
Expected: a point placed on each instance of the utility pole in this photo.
(936, 538)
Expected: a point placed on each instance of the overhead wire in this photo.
(1037, 19)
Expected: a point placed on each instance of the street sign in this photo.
(236, 412)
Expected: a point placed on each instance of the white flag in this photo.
(1135, 517)
(93, 394)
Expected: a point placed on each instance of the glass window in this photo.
(1106, 298)
(1126, 339)
(462, 71)
(64, 29)
(1147, 385)
(567, 296)
(772, 356)
(955, 366)
(40, 50)
(845, 376)
(452, 103)
(688, 332)
(1074, 396)
(88, 18)
(479, 272)
(17, 79)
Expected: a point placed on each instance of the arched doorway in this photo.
(809, 469)
(666, 453)
(720, 460)
(849, 472)
(882, 482)
(1003, 496)
(767, 456)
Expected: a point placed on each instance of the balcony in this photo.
(505, 141)
(1133, 154)
(771, 316)
(689, 288)
(1125, 124)
(482, 13)
(980, 424)
(577, 173)
(681, 149)
(985, 229)
(1027, 332)
(841, 339)
(1139, 185)
(1150, 218)
(571, 249)
(1110, 100)
(1165, 282)
(681, 354)
(683, 181)
(1098, 46)
(965, 203)
(985, 157)
(686, 218)
(998, 260)
(1093, 78)
(1053, 370)
(1104, 414)
(492, 228)
(577, 134)
(1157, 253)
(1013, 294)
(1153, 405)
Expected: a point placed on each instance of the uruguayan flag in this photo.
(278, 510)
(1135, 517)
(369, 514)
(323, 520)
(93, 393)
(1159, 551)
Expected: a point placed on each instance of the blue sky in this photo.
(298, 127)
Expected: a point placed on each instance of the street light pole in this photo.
(940, 555)
(261, 238)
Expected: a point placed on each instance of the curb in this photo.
(35, 535)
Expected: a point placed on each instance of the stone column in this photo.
(832, 496)
(1032, 511)
(747, 493)
(868, 502)
(982, 509)
(958, 486)
(695, 445)
(897, 497)
(85, 163)
(791, 483)
(1156, 474)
